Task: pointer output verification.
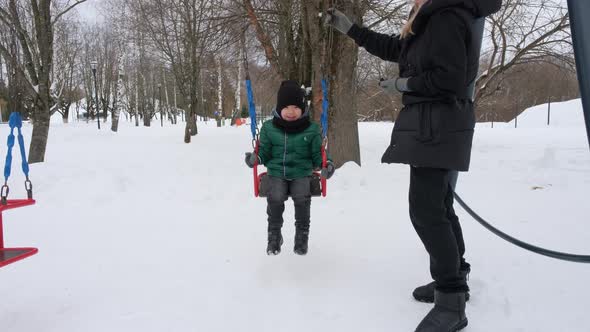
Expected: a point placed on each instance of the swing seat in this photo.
(315, 185)
(11, 255)
(318, 185)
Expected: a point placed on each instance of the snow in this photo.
(569, 115)
(138, 231)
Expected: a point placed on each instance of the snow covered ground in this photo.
(138, 231)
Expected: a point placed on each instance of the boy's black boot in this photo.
(426, 293)
(301, 239)
(275, 240)
(448, 314)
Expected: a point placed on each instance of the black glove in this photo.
(328, 171)
(251, 159)
(338, 20)
(395, 85)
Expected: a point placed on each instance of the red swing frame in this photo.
(11, 255)
(257, 176)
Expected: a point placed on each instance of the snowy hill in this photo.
(563, 115)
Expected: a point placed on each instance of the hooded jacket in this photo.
(440, 60)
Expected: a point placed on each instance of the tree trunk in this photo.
(263, 38)
(187, 132)
(147, 120)
(66, 112)
(40, 126)
(314, 37)
(44, 34)
(338, 67)
(172, 119)
(15, 83)
(194, 130)
(343, 136)
(219, 93)
(15, 93)
(238, 110)
(176, 107)
(191, 124)
(118, 103)
(305, 67)
(145, 113)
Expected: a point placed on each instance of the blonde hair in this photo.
(407, 28)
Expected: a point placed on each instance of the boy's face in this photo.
(291, 113)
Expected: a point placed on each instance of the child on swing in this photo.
(290, 148)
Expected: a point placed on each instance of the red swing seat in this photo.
(318, 184)
(11, 255)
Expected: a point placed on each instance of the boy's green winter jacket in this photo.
(290, 155)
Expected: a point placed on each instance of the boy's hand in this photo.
(328, 171)
(251, 159)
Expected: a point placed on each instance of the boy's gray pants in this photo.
(280, 190)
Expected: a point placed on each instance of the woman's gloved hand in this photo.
(338, 20)
(395, 85)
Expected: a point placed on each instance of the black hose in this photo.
(524, 245)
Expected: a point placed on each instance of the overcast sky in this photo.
(89, 11)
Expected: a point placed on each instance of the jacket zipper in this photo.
(285, 157)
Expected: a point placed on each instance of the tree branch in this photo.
(263, 38)
(67, 10)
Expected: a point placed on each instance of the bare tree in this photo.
(298, 46)
(524, 32)
(182, 32)
(524, 35)
(119, 103)
(36, 47)
(65, 75)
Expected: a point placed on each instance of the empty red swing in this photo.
(11, 255)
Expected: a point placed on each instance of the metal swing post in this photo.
(579, 11)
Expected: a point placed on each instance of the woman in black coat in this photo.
(438, 59)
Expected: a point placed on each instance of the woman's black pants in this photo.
(432, 214)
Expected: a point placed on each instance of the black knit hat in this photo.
(290, 94)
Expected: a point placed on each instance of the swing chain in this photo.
(15, 122)
(328, 44)
(29, 188)
(4, 193)
(256, 139)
